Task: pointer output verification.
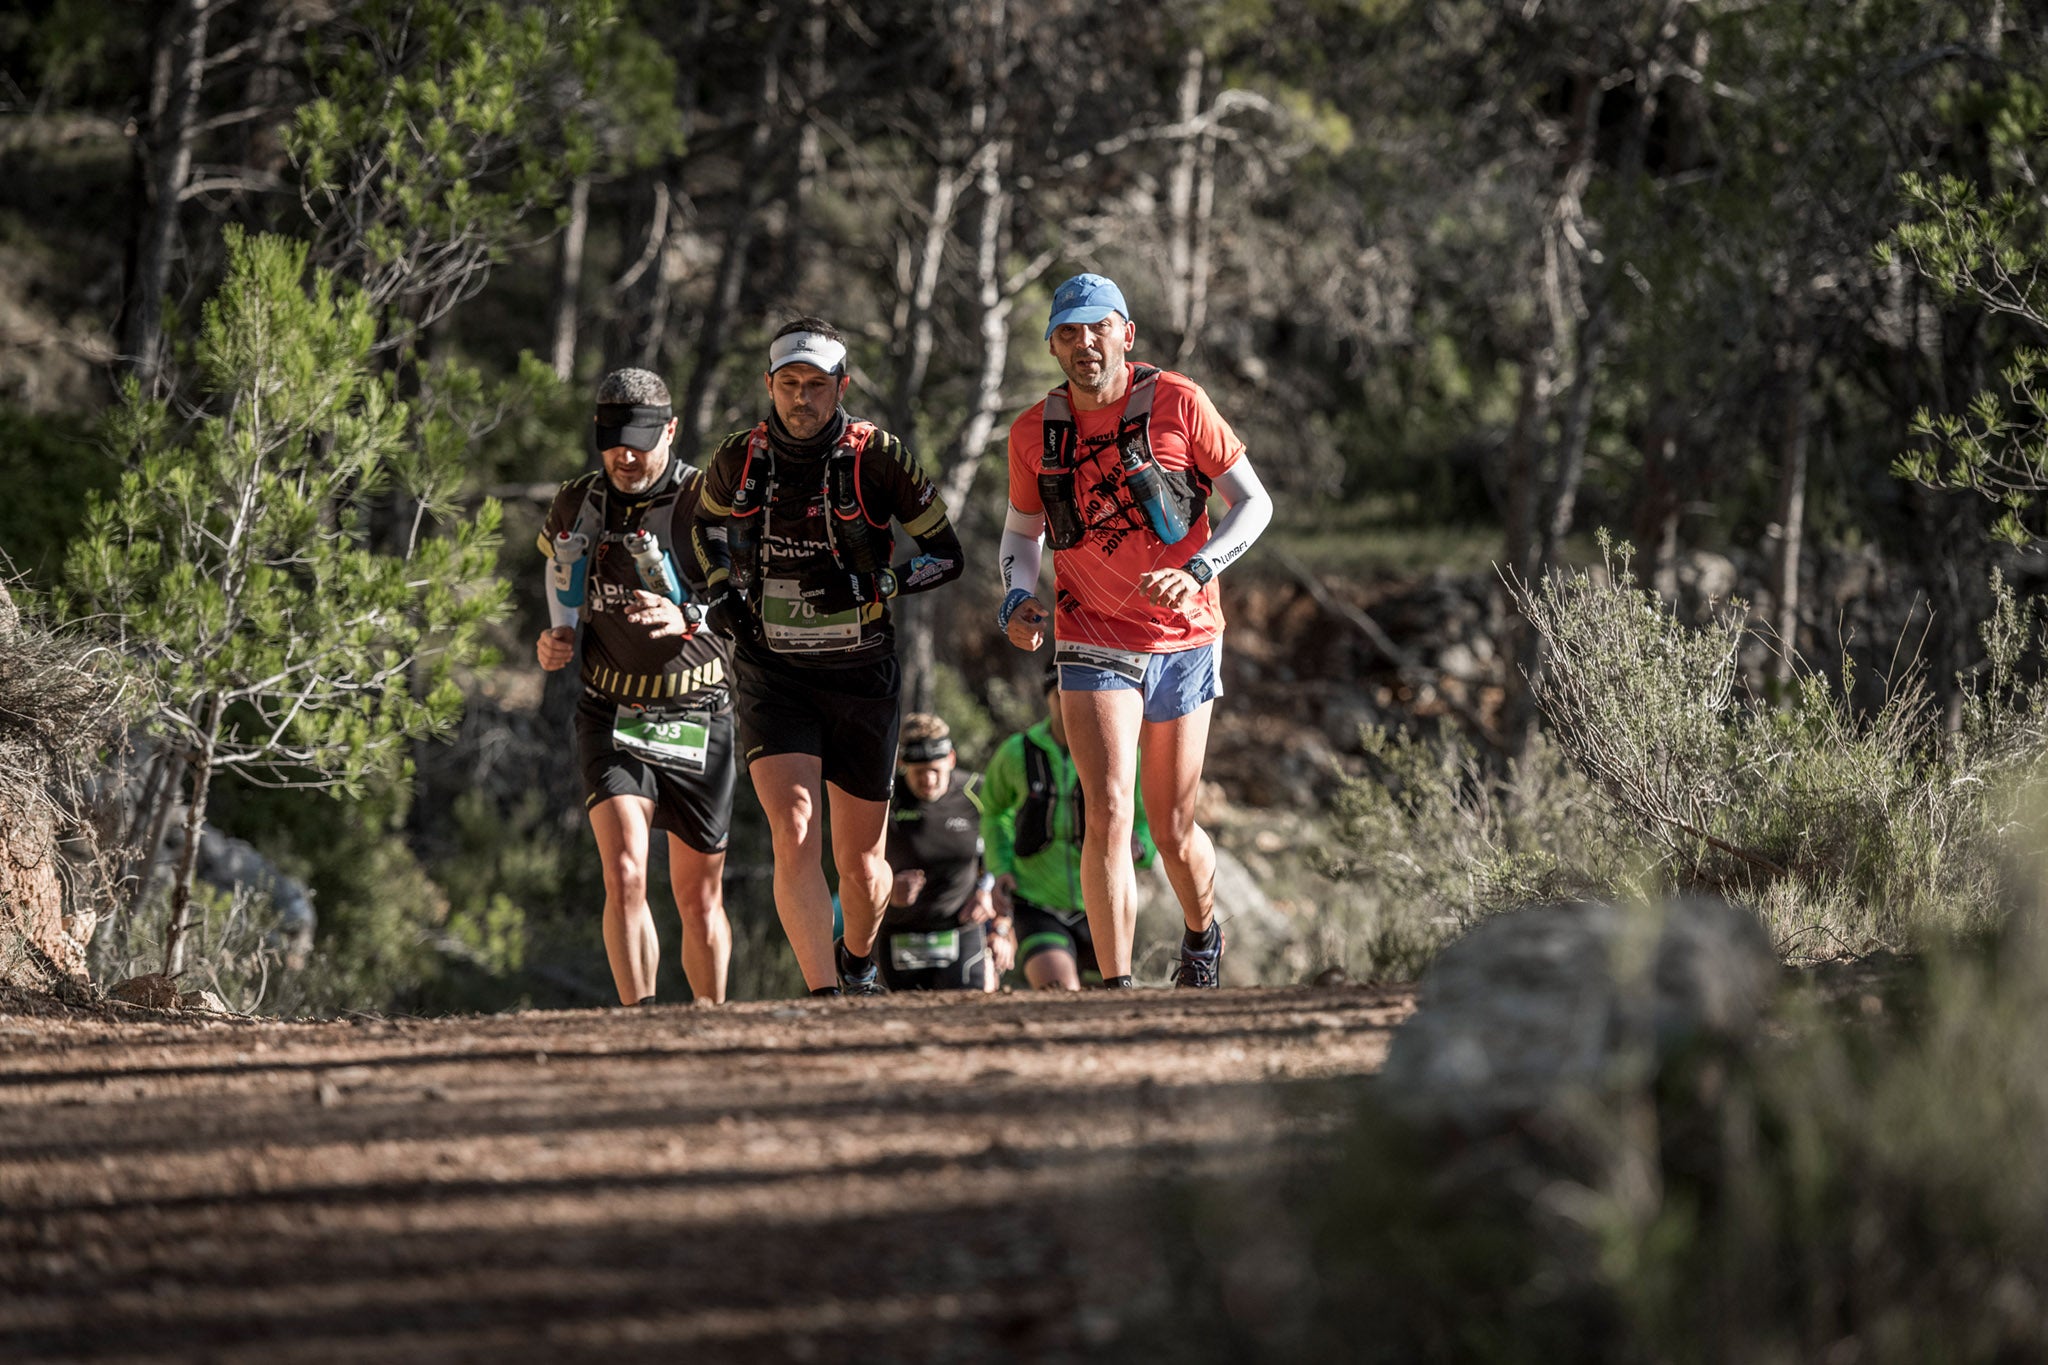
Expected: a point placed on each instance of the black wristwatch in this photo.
(1199, 569)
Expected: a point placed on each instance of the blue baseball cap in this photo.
(1086, 298)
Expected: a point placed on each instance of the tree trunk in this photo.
(1577, 431)
(1180, 206)
(174, 108)
(916, 328)
(963, 457)
(1795, 377)
(569, 279)
(816, 76)
(201, 762)
(1660, 500)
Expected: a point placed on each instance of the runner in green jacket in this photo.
(1031, 827)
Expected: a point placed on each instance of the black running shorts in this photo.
(696, 807)
(845, 716)
(941, 960)
(1041, 930)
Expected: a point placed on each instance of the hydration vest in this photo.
(590, 515)
(1185, 490)
(859, 543)
(1034, 831)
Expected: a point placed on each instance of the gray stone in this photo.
(1705, 577)
(1540, 1011)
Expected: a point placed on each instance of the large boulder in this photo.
(31, 890)
(1561, 1010)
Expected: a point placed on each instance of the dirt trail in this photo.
(905, 1179)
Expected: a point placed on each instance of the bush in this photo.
(1868, 830)
(1437, 841)
(1861, 1181)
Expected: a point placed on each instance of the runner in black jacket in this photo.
(939, 930)
(793, 535)
(654, 733)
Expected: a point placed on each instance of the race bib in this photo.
(1124, 663)
(790, 626)
(918, 952)
(676, 742)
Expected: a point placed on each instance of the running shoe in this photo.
(854, 977)
(1200, 968)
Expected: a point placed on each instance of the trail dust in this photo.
(912, 1178)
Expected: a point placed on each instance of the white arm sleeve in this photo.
(558, 615)
(1020, 550)
(1248, 510)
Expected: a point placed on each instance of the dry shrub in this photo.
(1851, 830)
(1435, 840)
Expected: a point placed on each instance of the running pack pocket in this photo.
(681, 740)
(920, 952)
(789, 625)
(1124, 663)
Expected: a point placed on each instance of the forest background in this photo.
(1752, 286)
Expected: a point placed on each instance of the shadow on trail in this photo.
(408, 1120)
(970, 1036)
(1014, 1283)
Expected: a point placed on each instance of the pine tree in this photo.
(236, 565)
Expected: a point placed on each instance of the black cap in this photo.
(638, 425)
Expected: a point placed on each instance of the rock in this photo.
(152, 990)
(1705, 579)
(206, 1002)
(234, 865)
(1458, 660)
(1345, 714)
(1537, 1011)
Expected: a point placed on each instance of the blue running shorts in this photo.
(1173, 685)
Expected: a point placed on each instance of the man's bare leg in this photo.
(1170, 763)
(621, 824)
(860, 832)
(698, 880)
(1102, 735)
(791, 790)
(1053, 970)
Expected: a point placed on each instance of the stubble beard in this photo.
(640, 483)
(1104, 370)
(803, 424)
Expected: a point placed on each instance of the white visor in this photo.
(809, 348)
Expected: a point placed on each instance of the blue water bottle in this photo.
(568, 568)
(1148, 489)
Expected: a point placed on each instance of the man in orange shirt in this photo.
(1118, 464)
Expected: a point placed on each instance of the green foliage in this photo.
(974, 729)
(1866, 829)
(1439, 842)
(269, 566)
(442, 130)
(1986, 245)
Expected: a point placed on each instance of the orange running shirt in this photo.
(1095, 585)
